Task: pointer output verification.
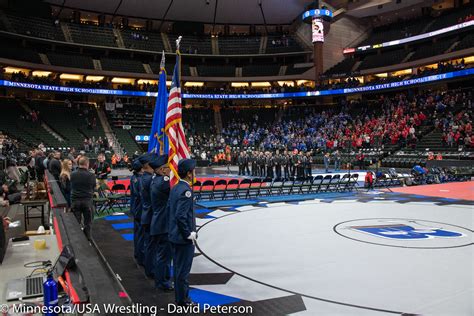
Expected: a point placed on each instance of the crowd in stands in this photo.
(391, 121)
(138, 36)
(457, 129)
(95, 145)
(467, 18)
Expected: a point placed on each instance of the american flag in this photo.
(178, 148)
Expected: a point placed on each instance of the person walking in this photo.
(83, 184)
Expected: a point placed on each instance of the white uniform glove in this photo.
(193, 237)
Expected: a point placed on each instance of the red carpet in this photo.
(453, 190)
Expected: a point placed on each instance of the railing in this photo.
(90, 281)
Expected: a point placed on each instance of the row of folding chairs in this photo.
(387, 180)
(251, 188)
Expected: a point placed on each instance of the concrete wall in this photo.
(344, 32)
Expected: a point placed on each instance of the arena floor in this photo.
(364, 253)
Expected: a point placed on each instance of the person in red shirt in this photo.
(468, 128)
(369, 180)
(439, 156)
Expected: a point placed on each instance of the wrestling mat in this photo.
(366, 253)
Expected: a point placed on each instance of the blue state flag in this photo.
(158, 142)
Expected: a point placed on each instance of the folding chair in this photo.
(219, 189)
(305, 187)
(206, 191)
(231, 188)
(344, 183)
(334, 183)
(287, 186)
(254, 188)
(103, 203)
(353, 182)
(297, 184)
(197, 190)
(324, 186)
(316, 185)
(243, 188)
(119, 194)
(277, 186)
(266, 187)
(118, 188)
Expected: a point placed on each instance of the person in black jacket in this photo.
(83, 184)
(39, 165)
(241, 163)
(246, 163)
(54, 165)
(102, 168)
(278, 161)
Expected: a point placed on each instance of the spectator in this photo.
(65, 180)
(54, 165)
(327, 160)
(102, 168)
(337, 160)
(82, 190)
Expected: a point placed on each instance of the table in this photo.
(19, 253)
(29, 205)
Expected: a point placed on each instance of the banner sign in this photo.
(287, 95)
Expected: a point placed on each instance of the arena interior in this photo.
(224, 157)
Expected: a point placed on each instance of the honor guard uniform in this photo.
(182, 229)
(136, 210)
(160, 191)
(147, 212)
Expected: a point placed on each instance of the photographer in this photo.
(102, 168)
(10, 193)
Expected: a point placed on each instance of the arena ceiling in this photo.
(227, 11)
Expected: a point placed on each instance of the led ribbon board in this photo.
(286, 95)
(410, 39)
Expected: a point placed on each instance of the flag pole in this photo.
(162, 63)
